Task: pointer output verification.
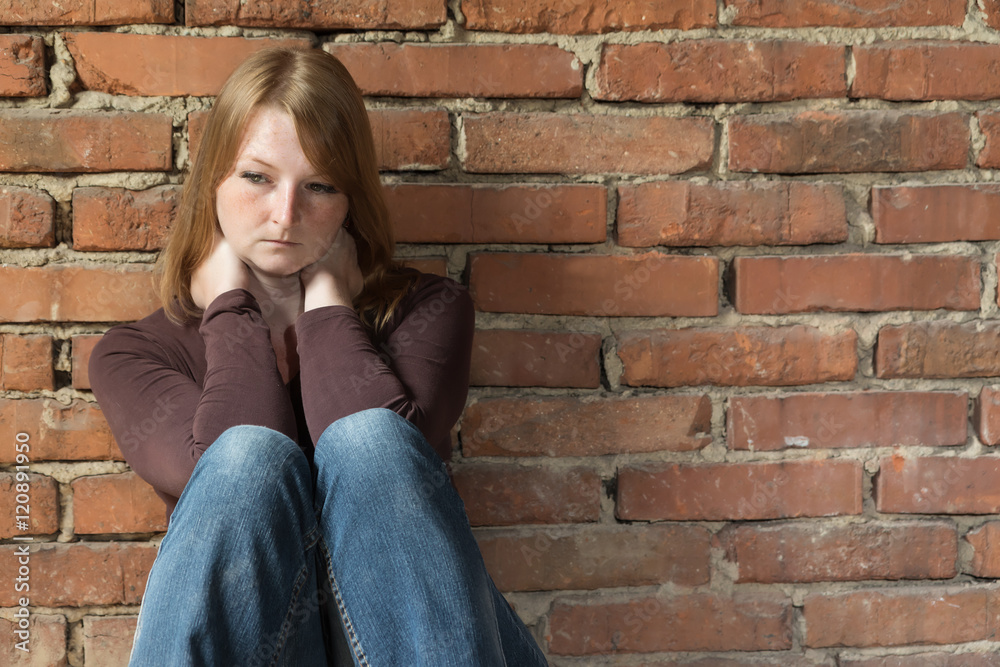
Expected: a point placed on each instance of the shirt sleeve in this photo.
(162, 419)
(420, 370)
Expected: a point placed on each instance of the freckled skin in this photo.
(275, 194)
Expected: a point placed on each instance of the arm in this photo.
(421, 371)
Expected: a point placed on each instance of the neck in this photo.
(279, 296)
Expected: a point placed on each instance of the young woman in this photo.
(285, 401)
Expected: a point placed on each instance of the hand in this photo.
(220, 272)
(335, 278)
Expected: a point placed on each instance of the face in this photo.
(275, 209)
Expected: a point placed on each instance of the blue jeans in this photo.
(238, 579)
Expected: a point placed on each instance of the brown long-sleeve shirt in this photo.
(168, 391)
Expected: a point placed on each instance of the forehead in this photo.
(270, 130)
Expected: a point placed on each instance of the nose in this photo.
(286, 205)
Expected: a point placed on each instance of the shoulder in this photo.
(152, 337)
(432, 296)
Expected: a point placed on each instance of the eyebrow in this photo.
(267, 164)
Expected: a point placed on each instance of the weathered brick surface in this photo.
(938, 349)
(682, 213)
(82, 347)
(651, 284)
(487, 70)
(848, 141)
(687, 622)
(989, 124)
(847, 419)
(587, 16)
(59, 140)
(497, 494)
(22, 66)
(116, 503)
(83, 573)
(60, 292)
(26, 362)
(936, 213)
(531, 143)
(739, 491)
(56, 432)
(352, 15)
(86, 12)
(987, 416)
(938, 485)
(719, 70)
(778, 356)
(932, 70)
(120, 219)
(893, 617)
(427, 213)
(558, 426)
(802, 552)
(27, 218)
(985, 542)
(124, 64)
(41, 511)
(845, 13)
(855, 282)
(516, 358)
(46, 641)
(107, 640)
(596, 557)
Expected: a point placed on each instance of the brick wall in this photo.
(735, 265)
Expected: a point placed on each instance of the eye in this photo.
(253, 177)
(322, 188)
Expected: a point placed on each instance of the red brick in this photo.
(117, 503)
(570, 426)
(855, 282)
(126, 64)
(498, 494)
(22, 66)
(989, 124)
(461, 70)
(682, 213)
(512, 143)
(772, 356)
(27, 218)
(86, 12)
(56, 432)
(107, 640)
(936, 213)
(58, 140)
(430, 213)
(405, 139)
(46, 643)
(719, 70)
(847, 419)
(985, 543)
(576, 17)
(518, 358)
(845, 13)
(388, 14)
(26, 362)
(121, 219)
(926, 70)
(596, 557)
(650, 284)
(807, 552)
(848, 141)
(758, 621)
(82, 346)
(739, 491)
(67, 293)
(43, 502)
(956, 659)
(938, 485)
(987, 415)
(435, 265)
(901, 616)
(991, 13)
(81, 573)
(938, 350)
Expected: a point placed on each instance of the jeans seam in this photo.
(352, 636)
